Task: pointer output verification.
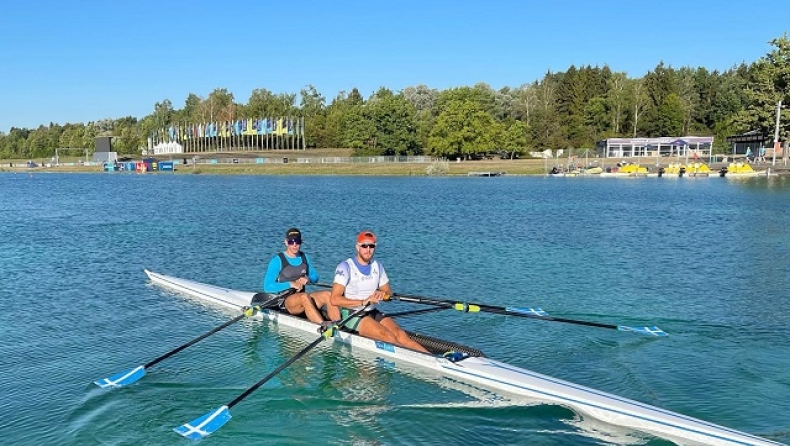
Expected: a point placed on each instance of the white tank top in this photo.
(358, 285)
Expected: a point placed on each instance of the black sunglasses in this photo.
(294, 241)
(367, 245)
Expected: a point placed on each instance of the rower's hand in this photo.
(377, 297)
(299, 283)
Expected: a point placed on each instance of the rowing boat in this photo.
(475, 368)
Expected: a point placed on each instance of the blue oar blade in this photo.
(527, 310)
(647, 331)
(205, 425)
(123, 378)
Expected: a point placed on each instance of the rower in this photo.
(286, 276)
(360, 282)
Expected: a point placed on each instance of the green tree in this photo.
(313, 108)
(358, 132)
(423, 99)
(219, 106)
(393, 118)
(514, 138)
(658, 85)
(596, 120)
(525, 101)
(617, 102)
(546, 124)
(669, 117)
(462, 129)
(334, 130)
(769, 83)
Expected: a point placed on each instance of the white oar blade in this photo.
(123, 378)
(205, 425)
(527, 310)
(647, 331)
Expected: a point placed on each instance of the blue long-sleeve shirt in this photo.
(270, 283)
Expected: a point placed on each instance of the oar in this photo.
(209, 423)
(413, 312)
(134, 374)
(534, 313)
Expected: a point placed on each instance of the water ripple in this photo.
(703, 260)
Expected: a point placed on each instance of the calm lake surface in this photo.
(704, 259)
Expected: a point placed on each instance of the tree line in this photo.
(571, 109)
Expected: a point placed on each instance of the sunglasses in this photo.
(367, 245)
(294, 241)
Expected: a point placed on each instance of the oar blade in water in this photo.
(123, 378)
(205, 425)
(647, 331)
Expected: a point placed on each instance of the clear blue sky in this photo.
(82, 61)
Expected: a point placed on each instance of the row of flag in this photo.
(226, 129)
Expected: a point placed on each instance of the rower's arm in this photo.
(338, 299)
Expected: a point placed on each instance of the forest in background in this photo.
(564, 110)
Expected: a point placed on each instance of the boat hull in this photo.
(496, 375)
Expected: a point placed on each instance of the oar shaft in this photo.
(247, 311)
(496, 310)
(275, 372)
(194, 341)
(413, 312)
(295, 357)
(500, 310)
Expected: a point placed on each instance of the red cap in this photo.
(366, 236)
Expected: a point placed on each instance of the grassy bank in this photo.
(510, 167)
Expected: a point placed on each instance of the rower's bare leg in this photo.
(321, 299)
(301, 303)
(402, 337)
(369, 328)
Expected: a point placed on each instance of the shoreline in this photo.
(477, 168)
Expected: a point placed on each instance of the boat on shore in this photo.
(739, 170)
(627, 170)
(689, 170)
(474, 368)
(591, 171)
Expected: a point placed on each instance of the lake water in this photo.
(704, 259)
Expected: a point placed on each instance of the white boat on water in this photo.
(476, 369)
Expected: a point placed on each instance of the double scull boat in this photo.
(474, 368)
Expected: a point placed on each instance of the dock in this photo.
(486, 174)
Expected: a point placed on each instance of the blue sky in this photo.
(86, 60)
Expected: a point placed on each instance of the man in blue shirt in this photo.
(286, 276)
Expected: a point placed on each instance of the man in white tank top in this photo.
(360, 281)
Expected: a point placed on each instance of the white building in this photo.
(667, 146)
(166, 148)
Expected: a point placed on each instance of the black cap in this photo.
(293, 233)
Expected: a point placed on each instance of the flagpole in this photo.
(776, 131)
